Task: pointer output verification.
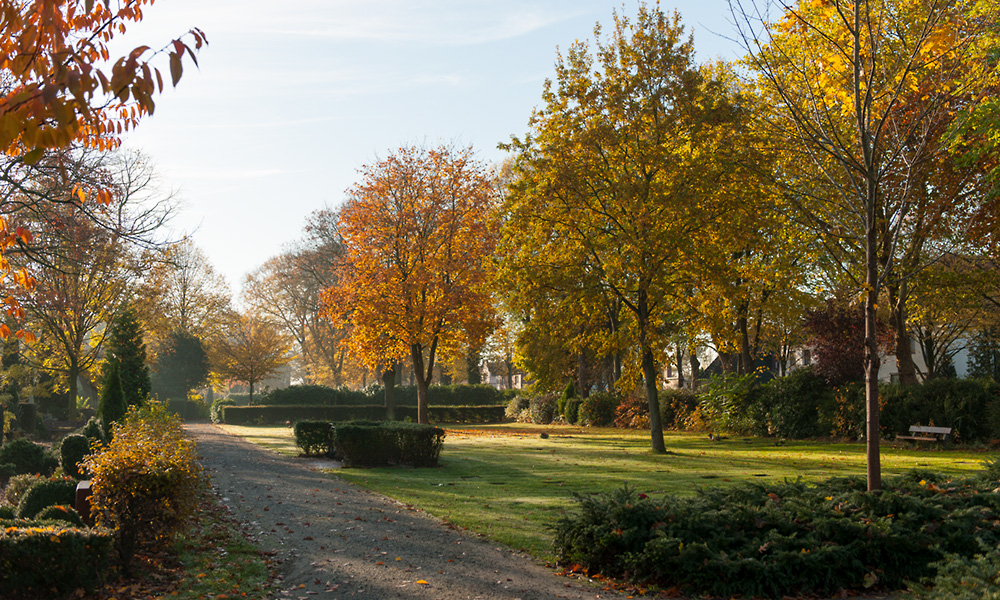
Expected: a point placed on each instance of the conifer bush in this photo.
(25, 455)
(145, 481)
(72, 450)
(45, 493)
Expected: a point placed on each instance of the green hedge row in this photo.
(404, 395)
(72, 558)
(271, 415)
(367, 444)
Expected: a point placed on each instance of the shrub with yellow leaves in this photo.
(145, 481)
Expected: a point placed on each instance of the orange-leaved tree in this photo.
(418, 238)
(61, 86)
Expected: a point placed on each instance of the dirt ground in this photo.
(335, 540)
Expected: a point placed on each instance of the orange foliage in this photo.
(55, 91)
(419, 236)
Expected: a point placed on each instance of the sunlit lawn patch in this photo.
(507, 482)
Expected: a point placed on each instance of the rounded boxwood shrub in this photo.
(598, 410)
(46, 493)
(61, 512)
(25, 455)
(71, 452)
(542, 408)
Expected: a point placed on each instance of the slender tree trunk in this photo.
(650, 374)
(72, 384)
(745, 364)
(251, 391)
(389, 387)
(695, 366)
(872, 362)
(508, 363)
(424, 374)
(680, 367)
(905, 366)
(473, 374)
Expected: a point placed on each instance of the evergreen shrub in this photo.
(598, 409)
(61, 512)
(71, 452)
(782, 539)
(7, 512)
(314, 437)
(94, 431)
(25, 455)
(542, 408)
(45, 493)
(366, 444)
(792, 404)
(317, 395)
(265, 415)
(145, 481)
(571, 411)
(73, 559)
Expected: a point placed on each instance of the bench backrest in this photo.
(925, 429)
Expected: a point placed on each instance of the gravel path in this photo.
(336, 540)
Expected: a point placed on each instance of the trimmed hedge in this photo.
(273, 415)
(70, 559)
(46, 493)
(366, 444)
(61, 512)
(318, 395)
(314, 437)
(25, 455)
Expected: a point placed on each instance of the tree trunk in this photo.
(745, 362)
(872, 433)
(389, 389)
(72, 384)
(424, 374)
(655, 425)
(680, 367)
(251, 391)
(473, 374)
(508, 363)
(905, 366)
(649, 373)
(695, 366)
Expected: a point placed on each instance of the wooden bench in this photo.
(922, 433)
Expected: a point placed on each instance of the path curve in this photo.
(335, 540)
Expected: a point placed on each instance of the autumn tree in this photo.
(860, 89)
(252, 350)
(620, 186)
(287, 288)
(62, 86)
(418, 234)
(182, 291)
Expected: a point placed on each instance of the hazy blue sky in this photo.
(291, 98)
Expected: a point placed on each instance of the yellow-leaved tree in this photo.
(418, 235)
(625, 183)
(863, 93)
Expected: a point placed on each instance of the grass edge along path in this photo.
(510, 484)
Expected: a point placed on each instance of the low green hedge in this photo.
(366, 444)
(314, 437)
(317, 395)
(272, 415)
(40, 560)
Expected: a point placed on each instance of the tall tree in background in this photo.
(252, 350)
(126, 350)
(618, 187)
(287, 289)
(418, 235)
(860, 88)
(181, 365)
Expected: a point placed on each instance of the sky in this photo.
(292, 98)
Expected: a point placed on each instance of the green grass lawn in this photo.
(506, 482)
